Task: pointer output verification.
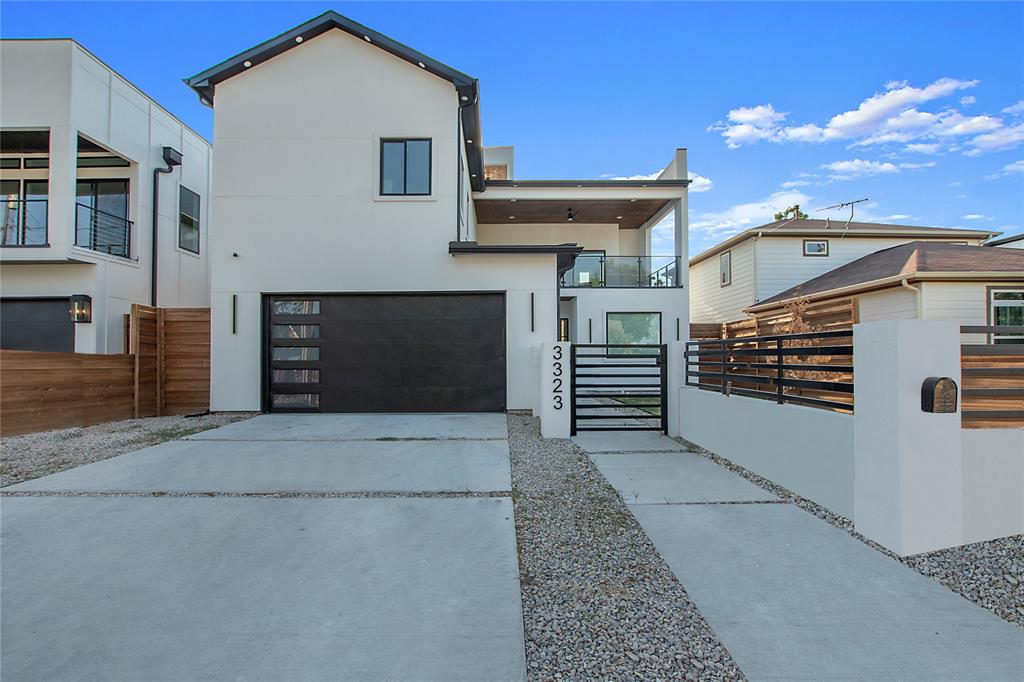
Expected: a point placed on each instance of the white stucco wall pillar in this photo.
(555, 396)
(676, 383)
(681, 212)
(908, 468)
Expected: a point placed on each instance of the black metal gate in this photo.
(618, 387)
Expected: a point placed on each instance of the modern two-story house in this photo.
(104, 201)
(369, 255)
(763, 261)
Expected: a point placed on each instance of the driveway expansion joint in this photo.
(267, 494)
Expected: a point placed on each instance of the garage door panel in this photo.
(393, 352)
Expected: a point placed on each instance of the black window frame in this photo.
(198, 222)
(815, 255)
(619, 352)
(723, 281)
(405, 166)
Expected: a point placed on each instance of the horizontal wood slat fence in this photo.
(825, 316)
(167, 371)
(992, 378)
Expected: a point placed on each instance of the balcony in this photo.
(102, 232)
(598, 270)
(24, 222)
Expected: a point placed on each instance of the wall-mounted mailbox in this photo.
(938, 395)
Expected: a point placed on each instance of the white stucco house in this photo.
(763, 261)
(369, 255)
(81, 152)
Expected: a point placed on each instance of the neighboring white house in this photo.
(972, 285)
(1014, 241)
(361, 262)
(758, 263)
(79, 145)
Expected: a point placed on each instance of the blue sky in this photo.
(916, 106)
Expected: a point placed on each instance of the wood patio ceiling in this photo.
(633, 213)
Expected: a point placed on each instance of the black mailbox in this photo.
(938, 394)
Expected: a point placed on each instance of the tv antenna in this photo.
(844, 204)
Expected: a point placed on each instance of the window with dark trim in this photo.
(725, 269)
(1006, 309)
(405, 167)
(632, 328)
(816, 248)
(188, 220)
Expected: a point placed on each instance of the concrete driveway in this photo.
(281, 547)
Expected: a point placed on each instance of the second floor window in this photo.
(101, 217)
(188, 220)
(405, 167)
(725, 269)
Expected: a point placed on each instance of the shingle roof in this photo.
(838, 228)
(908, 259)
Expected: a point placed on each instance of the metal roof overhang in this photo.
(467, 87)
(566, 253)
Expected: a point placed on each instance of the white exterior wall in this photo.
(896, 303)
(592, 305)
(711, 302)
(57, 85)
(295, 196)
(993, 485)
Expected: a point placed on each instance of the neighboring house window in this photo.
(1007, 310)
(563, 329)
(816, 247)
(632, 328)
(725, 269)
(188, 220)
(405, 167)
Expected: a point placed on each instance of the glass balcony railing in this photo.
(595, 270)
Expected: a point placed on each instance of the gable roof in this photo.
(468, 88)
(1005, 240)
(907, 261)
(837, 229)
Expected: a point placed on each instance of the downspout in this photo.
(919, 304)
(172, 158)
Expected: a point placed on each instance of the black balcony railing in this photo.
(24, 222)
(102, 231)
(593, 270)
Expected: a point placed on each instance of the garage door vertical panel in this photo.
(294, 363)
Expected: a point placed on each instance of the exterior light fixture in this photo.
(422, 65)
(464, 98)
(298, 39)
(513, 200)
(367, 39)
(247, 64)
(571, 215)
(469, 141)
(633, 201)
(511, 217)
(81, 308)
(618, 217)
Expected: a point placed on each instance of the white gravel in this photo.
(599, 602)
(990, 574)
(37, 454)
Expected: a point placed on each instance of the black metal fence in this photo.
(102, 231)
(619, 387)
(813, 369)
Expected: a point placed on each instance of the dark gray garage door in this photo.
(385, 353)
(41, 324)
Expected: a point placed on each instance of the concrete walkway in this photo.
(254, 552)
(791, 596)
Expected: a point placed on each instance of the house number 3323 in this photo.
(556, 372)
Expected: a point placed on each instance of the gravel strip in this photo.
(990, 573)
(32, 455)
(599, 602)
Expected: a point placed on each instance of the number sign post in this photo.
(555, 396)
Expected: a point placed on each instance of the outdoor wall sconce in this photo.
(938, 395)
(81, 308)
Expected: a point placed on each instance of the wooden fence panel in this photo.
(144, 334)
(186, 360)
(41, 391)
(992, 390)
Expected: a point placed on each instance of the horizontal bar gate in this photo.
(619, 387)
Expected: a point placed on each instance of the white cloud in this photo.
(856, 168)
(1004, 138)
(888, 117)
(911, 166)
(896, 216)
(1017, 108)
(1008, 169)
(975, 216)
(698, 183)
(790, 184)
(742, 216)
